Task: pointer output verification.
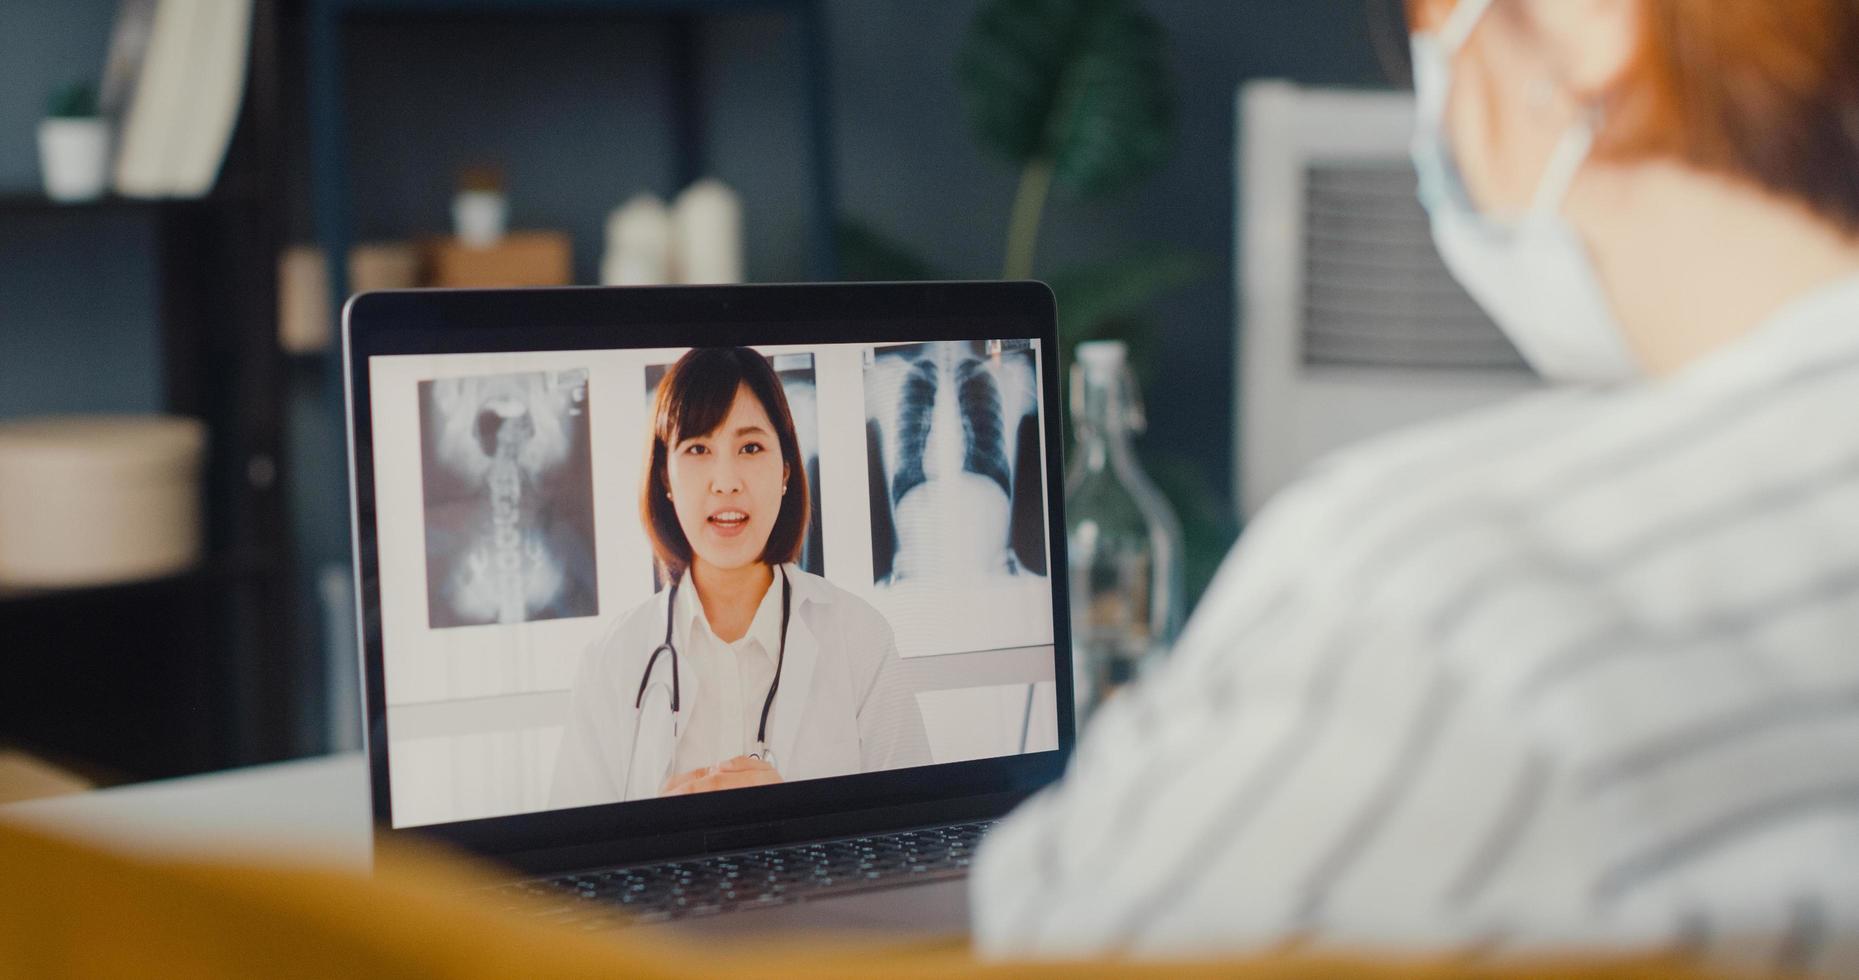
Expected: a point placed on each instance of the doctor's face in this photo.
(726, 485)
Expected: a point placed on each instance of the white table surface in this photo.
(315, 812)
(307, 811)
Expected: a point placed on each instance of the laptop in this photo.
(612, 649)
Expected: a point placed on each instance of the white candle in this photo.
(708, 218)
(638, 244)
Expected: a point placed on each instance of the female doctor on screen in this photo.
(746, 671)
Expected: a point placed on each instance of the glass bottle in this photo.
(1125, 543)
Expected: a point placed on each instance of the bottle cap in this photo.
(1103, 356)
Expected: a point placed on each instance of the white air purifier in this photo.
(1349, 324)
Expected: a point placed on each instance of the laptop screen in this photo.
(619, 575)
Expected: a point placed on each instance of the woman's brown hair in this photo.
(693, 399)
(1764, 91)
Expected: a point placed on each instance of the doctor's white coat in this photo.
(841, 708)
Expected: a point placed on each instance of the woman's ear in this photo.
(1426, 15)
(1592, 43)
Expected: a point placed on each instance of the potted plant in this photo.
(480, 211)
(1078, 98)
(74, 145)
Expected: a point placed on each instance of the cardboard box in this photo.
(305, 323)
(521, 258)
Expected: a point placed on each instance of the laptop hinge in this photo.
(693, 844)
(743, 838)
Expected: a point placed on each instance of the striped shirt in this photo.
(1581, 670)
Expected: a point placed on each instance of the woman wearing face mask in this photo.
(1582, 671)
(746, 670)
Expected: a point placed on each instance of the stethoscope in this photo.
(766, 754)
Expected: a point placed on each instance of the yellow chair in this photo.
(69, 910)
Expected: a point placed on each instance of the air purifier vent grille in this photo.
(1375, 292)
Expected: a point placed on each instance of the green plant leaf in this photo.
(869, 255)
(1108, 301)
(1082, 85)
(1091, 296)
(77, 100)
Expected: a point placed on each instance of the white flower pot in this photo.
(480, 218)
(74, 156)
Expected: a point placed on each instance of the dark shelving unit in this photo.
(329, 151)
(325, 30)
(198, 670)
(330, 161)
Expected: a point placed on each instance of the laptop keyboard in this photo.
(756, 879)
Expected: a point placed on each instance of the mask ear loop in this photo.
(1570, 154)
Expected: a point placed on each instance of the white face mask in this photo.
(1531, 274)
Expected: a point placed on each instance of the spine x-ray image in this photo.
(509, 499)
(955, 462)
(796, 372)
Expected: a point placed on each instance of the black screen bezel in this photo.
(596, 318)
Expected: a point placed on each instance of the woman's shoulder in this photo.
(626, 636)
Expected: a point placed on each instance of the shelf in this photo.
(552, 6)
(33, 202)
(217, 571)
(330, 105)
(203, 668)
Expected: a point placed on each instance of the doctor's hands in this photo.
(729, 774)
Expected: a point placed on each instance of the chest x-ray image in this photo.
(957, 495)
(509, 499)
(799, 383)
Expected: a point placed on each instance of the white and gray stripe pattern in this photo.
(1580, 671)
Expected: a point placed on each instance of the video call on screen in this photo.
(515, 564)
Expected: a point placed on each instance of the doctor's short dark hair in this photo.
(694, 398)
